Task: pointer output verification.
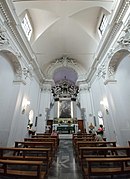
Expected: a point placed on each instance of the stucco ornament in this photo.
(101, 71)
(3, 38)
(125, 39)
(67, 62)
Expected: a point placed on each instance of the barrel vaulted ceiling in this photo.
(65, 28)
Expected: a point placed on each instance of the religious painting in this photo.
(65, 109)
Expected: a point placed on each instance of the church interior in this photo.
(64, 75)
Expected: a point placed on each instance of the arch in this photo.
(65, 73)
(14, 61)
(115, 61)
(65, 62)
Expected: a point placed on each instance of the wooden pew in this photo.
(43, 133)
(26, 154)
(102, 152)
(37, 144)
(106, 166)
(81, 135)
(105, 151)
(46, 136)
(93, 144)
(54, 140)
(88, 138)
(6, 170)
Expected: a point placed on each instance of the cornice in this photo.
(110, 81)
(17, 82)
(11, 22)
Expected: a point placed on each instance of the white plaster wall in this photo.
(8, 95)
(55, 109)
(117, 121)
(52, 113)
(87, 104)
(120, 93)
(35, 97)
(99, 91)
(19, 120)
(44, 103)
(90, 109)
(78, 113)
(30, 91)
(74, 109)
(96, 93)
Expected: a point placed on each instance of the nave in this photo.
(70, 157)
(64, 166)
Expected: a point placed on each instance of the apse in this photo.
(65, 73)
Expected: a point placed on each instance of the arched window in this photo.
(26, 25)
(103, 24)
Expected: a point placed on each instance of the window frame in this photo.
(103, 24)
(27, 26)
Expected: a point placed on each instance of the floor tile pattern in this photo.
(64, 166)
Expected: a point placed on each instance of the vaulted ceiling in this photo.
(65, 28)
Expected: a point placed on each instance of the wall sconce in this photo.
(104, 102)
(24, 105)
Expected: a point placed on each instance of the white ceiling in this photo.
(65, 28)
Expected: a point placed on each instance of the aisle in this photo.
(64, 166)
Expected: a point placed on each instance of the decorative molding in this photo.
(26, 72)
(67, 62)
(125, 38)
(110, 36)
(114, 62)
(65, 89)
(84, 87)
(101, 71)
(45, 88)
(124, 7)
(3, 38)
(109, 81)
(11, 23)
(16, 64)
(110, 53)
(17, 82)
(120, 49)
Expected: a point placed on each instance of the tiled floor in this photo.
(64, 166)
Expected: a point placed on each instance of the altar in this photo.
(65, 129)
(65, 125)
